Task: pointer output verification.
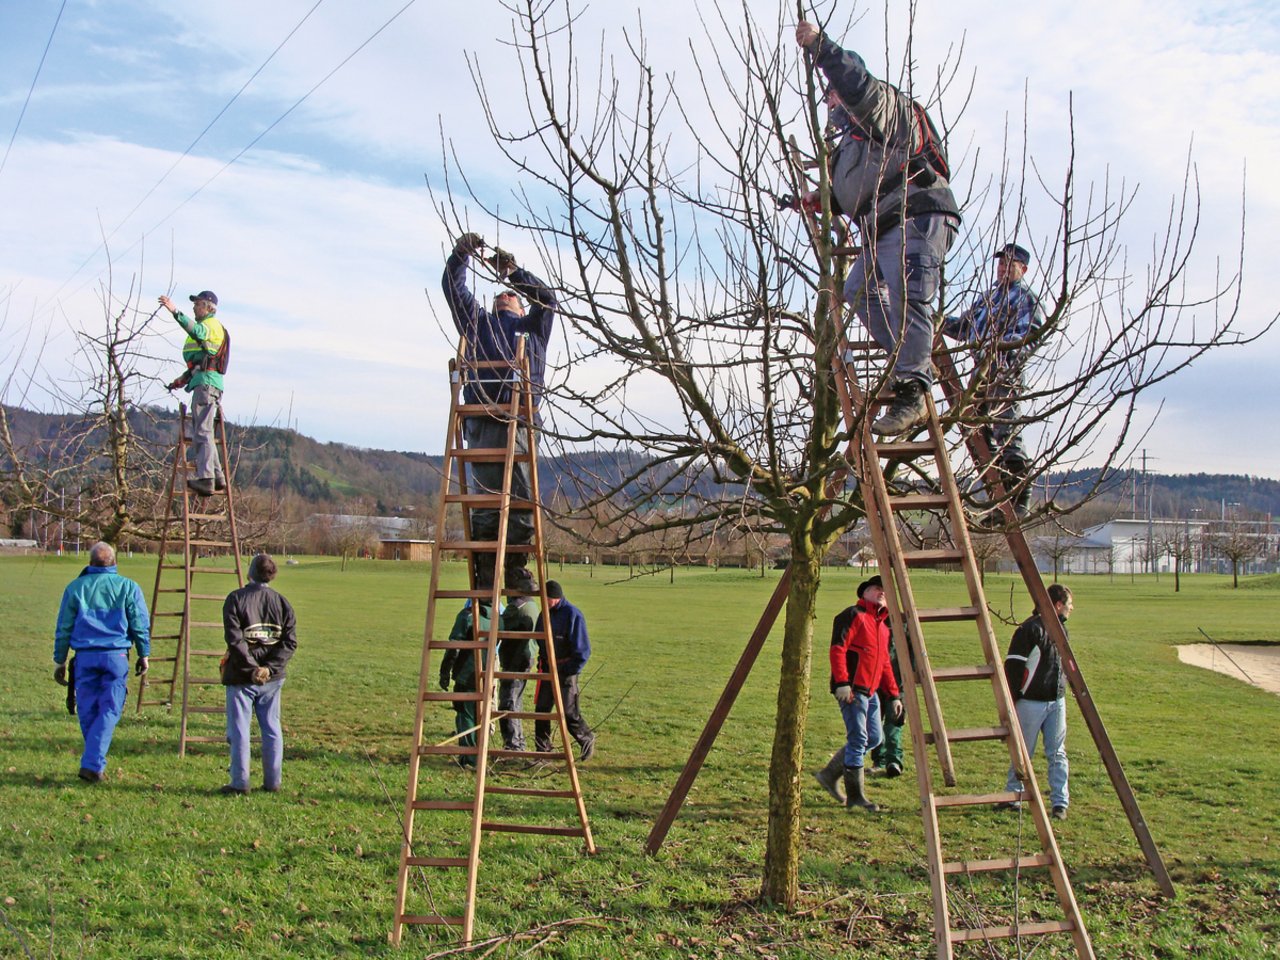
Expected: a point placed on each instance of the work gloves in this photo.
(261, 674)
(502, 262)
(446, 675)
(896, 710)
(469, 244)
(844, 693)
(60, 674)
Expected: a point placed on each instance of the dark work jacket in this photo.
(493, 336)
(569, 633)
(1032, 665)
(260, 631)
(869, 164)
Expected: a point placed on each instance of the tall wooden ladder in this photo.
(199, 553)
(453, 803)
(888, 502)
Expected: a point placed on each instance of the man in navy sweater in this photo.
(572, 650)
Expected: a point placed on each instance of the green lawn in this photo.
(153, 863)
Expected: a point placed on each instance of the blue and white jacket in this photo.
(1005, 314)
(102, 610)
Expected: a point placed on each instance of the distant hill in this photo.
(281, 460)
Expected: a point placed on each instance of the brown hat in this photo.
(873, 582)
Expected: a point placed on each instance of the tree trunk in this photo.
(781, 884)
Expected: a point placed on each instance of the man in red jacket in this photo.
(861, 675)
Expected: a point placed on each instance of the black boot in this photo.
(907, 410)
(853, 781)
(1016, 474)
(829, 776)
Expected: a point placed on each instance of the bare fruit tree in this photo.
(703, 322)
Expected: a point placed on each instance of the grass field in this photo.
(152, 863)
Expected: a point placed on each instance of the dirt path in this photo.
(1258, 665)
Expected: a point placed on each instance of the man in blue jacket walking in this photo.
(572, 649)
(102, 615)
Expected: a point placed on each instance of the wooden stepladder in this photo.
(433, 837)
(932, 487)
(199, 553)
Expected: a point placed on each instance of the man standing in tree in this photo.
(1039, 687)
(492, 336)
(999, 327)
(261, 633)
(572, 650)
(203, 380)
(102, 615)
(861, 680)
(889, 173)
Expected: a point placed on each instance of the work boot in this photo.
(853, 784)
(201, 485)
(829, 776)
(906, 411)
(219, 484)
(892, 769)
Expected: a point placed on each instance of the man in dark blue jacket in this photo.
(572, 650)
(886, 175)
(492, 336)
(102, 615)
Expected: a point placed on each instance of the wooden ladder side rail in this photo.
(452, 442)
(228, 492)
(184, 629)
(178, 457)
(528, 415)
(485, 663)
(980, 452)
(899, 596)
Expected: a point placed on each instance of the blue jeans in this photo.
(263, 700)
(102, 678)
(862, 728)
(1047, 718)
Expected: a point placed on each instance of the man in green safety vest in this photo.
(205, 353)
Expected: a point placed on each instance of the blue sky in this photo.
(323, 247)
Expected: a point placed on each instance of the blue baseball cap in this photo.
(204, 295)
(1013, 252)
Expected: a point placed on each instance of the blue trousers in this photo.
(263, 701)
(102, 678)
(1048, 719)
(862, 728)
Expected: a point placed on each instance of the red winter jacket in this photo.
(860, 650)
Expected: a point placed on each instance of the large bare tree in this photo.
(702, 322)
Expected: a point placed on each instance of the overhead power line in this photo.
(23, 112)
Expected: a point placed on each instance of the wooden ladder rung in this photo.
(530, 792)
(499, 411)
(157, 703)
(905, 449)
(448, 696)
(976, 799)
(919, 501)
(522, 675)
(946, 614)
(218, 597)
(160, 660)
(485, 546)
(979, 672)
(165, 636)
(209, 653)
(432, 919)
(486, 500)
(486, 455)
(971, 734)
(1000, 863)
(205, 681)
(527, 754)
(1005, 933)
(209, 543)
(448, 750)
(442, 805)
(459, 644)
(539, 829)
(206, 516)
(929, 558)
